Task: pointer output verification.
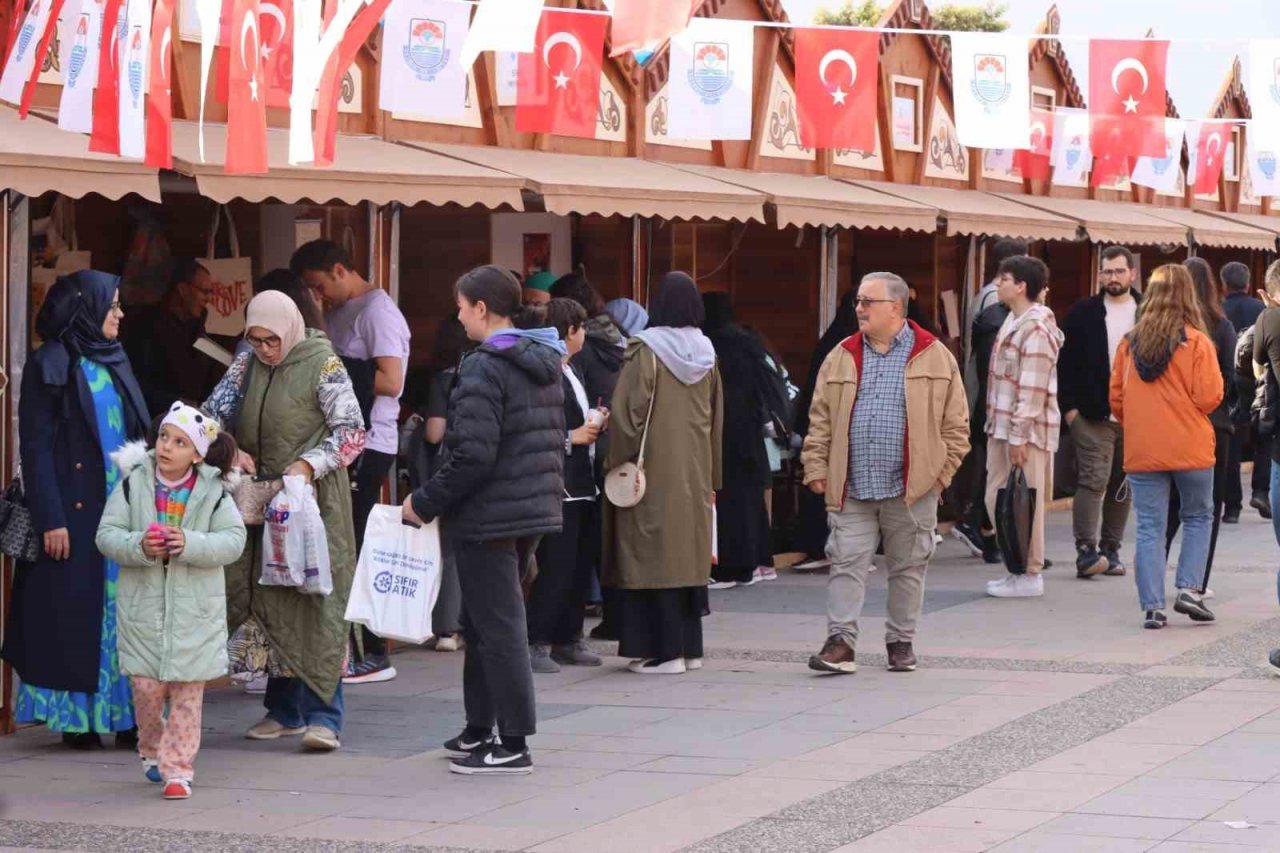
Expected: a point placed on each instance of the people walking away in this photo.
(1165, 383)
(497, 492)
(657, 554)
(811, 527)
(79, 402)
(1242, 309)
(160, 340)
(888, 429)
(567, 560)
(628, 315)
(291, 409)
(1093, 331)
(1023, 418)
(1223, 336)
(364, 324)
(742, 515)
(171, 526)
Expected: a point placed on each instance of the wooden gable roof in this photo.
(1050, 51)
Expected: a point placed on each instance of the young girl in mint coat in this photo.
(171, 524)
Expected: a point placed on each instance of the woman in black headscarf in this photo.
(80, 402)
(742, 518)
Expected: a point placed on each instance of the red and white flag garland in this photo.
(558, 88)
(247, 97)
(160, 96)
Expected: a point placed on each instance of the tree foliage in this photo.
(957, 18)
(865, 14)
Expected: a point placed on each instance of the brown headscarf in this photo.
(276, 312)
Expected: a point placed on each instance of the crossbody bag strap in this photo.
(644, 436)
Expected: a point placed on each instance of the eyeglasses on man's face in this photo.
(868, 301)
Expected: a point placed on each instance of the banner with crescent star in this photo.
(422, 71)
(246, 98)
(160, 98)
(558, 84)
(1209, 153)
(992, 90)
(275, 31)
(837, 72)
(1127, 87)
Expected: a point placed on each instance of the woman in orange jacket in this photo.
(1164, 384)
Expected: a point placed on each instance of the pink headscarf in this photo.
(276, 312)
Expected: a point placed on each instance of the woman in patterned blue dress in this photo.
(79, 403)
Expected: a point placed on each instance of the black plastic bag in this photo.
(1015, 511)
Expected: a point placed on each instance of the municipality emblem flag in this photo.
(1264, 87)
(1262, 167)
(1162, 173)
(711, 78)
(992, 89)
(81, 52)
(22, 59)
(421, 71)
(135, 53)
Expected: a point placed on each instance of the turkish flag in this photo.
(1110, 138)
(1035, 163)
(160, 98)
(326, 132)
(558, 85)
(105, 138)
(29, 92)
(1127, 83)
(247, 97)
(637, 23)
(275, 27)
(1211, 151)
(837, 72)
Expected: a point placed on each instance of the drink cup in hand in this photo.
(596, 418)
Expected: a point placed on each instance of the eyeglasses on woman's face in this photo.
(270, 342)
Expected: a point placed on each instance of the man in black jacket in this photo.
(1243, 310)
(1093, 330)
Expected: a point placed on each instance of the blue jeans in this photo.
(290, 702)
(1151, 503)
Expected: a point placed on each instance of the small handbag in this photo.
(253, 495)
(624, 485)
(18, 537)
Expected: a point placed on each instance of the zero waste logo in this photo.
(382, 583)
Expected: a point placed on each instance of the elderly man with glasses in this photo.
(888, 428)
(1093, 330)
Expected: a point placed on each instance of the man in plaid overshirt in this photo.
(1022, 407)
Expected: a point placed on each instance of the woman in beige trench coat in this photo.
(657, 554)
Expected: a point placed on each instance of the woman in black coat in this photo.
(742, 517)
(79, 403)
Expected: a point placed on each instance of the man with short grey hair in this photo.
(888, 428)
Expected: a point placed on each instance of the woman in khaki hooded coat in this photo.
(658, 553)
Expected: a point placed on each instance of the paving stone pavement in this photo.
(1033, 726)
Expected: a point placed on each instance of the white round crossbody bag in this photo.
(624, 485)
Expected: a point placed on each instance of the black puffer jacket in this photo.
(502, 474)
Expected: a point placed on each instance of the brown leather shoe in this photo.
(836, 656)
(901, 657)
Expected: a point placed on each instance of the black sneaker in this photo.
(1231, 516)
(1089, 562)
(1191, 604)
(1115, 566)
(969, 537)
(372, 670)
(1262, 503)
(493, 759)
(1273, 661)
(1155, 620)
(991, 550)
(463, 747)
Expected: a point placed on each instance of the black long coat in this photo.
(54, 630)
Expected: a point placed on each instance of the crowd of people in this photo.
(580, 453)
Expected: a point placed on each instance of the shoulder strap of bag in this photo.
(644, 436)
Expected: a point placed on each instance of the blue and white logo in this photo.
(382, 582)
(710, 76)
(79, 51)
(425, 53)
(28, 32)
(990, 82)
(1267, 164)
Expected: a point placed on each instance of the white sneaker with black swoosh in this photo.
(493, 759)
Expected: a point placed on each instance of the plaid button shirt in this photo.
(878, 428)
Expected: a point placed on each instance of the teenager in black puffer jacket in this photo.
(497, 492)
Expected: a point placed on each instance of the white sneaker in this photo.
(766, 573)
(692, 663)
(447, 643)
(1017, 586)
(675, 666)
(721, 584)
(256, 685)
(1208, 593)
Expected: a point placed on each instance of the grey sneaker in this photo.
(575, 654)
(1115, 566)
(540, 659)
(1191, 603)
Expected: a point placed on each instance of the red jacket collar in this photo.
(924, 339)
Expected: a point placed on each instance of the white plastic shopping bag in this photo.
(295, 550)
(397, 577)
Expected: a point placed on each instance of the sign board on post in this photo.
(232, 282)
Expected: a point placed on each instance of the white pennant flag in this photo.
(992, 90)
(1161, 174)
(502, 25)
(421, 69)
(1262, 165)
(80, 60)
(22, 59)
(135, 61)
(1264, 87)
(311, 52)
(210, 14)
(1072, 156)
(710, 76)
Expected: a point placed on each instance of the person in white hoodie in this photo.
(1022, 407)
(667, 411)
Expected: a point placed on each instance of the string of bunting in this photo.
(286, 53)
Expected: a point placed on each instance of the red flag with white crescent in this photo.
(160, 96)
(275, 26)
(326, 133)
(1211, 151)
(837, 73)
(1127, 86)
(246, 97)
(558, 84)
(105, 138)
(1035, 163)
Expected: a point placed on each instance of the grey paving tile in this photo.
(1115, 826)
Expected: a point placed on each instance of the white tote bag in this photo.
(232, 281)
(397, 577)
(295, 549)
